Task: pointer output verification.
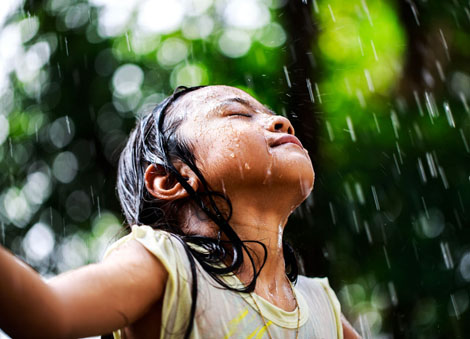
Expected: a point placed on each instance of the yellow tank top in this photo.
(221, 313)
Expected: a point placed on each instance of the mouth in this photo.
(287, 139)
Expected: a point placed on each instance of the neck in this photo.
(265, 225)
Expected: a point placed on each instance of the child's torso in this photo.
(221, 313)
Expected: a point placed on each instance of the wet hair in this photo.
(155, 141)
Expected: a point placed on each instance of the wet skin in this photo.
(233, 138)
(246, 151)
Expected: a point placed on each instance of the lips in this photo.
(286, 139)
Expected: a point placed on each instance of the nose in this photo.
(281, 124)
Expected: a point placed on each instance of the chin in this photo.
(306, 186)
(298, 179)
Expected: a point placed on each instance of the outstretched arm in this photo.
(91, 300)
(348, 331)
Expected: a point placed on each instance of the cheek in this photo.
(232, 155)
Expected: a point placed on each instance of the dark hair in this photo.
(155, 141)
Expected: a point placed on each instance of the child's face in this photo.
(234, 140)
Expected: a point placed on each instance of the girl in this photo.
(207, 180)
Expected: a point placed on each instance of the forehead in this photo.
(204, 101)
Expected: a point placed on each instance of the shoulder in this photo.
(315, 285)
(130, 257)
(321, 296)
(166, 247)
(318, 286)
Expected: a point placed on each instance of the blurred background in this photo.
(378, 91)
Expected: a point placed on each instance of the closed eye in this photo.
(241, 114)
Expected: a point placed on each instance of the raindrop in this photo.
(443, 177)
(331, 12)
(393, 293)
(370, 84)
(369, 235)
(366, 9)
(386, 257)
(317, 90)
(92, 195)
(450, 117)
(330, 131)
(440, 71)
(356, 223)
(99, 208)
(429, 106)
(418, 103)
(68, 124)
(399, 152)
(421, 171)
(66, 46)
(376, 199)
(425, 207)
(128, 42)
(464, 102)
(396, 164)
(360, 45)
(359, 193)
(373, 49)
(376, 122)
(431, 165)
(286, 73)
(418, 131)
(395, 122)
(332, 211)
(459, 303)
(315, 6)
(444, 43)
(351, 128)
(310, 92)
(446, 255)
(360, 97)
(415, 13)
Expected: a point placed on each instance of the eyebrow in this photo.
(243, 102)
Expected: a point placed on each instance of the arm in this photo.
(348, 331)
(91, 300)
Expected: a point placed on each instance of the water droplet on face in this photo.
(268, 174)
(232, 155)
(247, 166)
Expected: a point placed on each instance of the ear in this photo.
(162, 186)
